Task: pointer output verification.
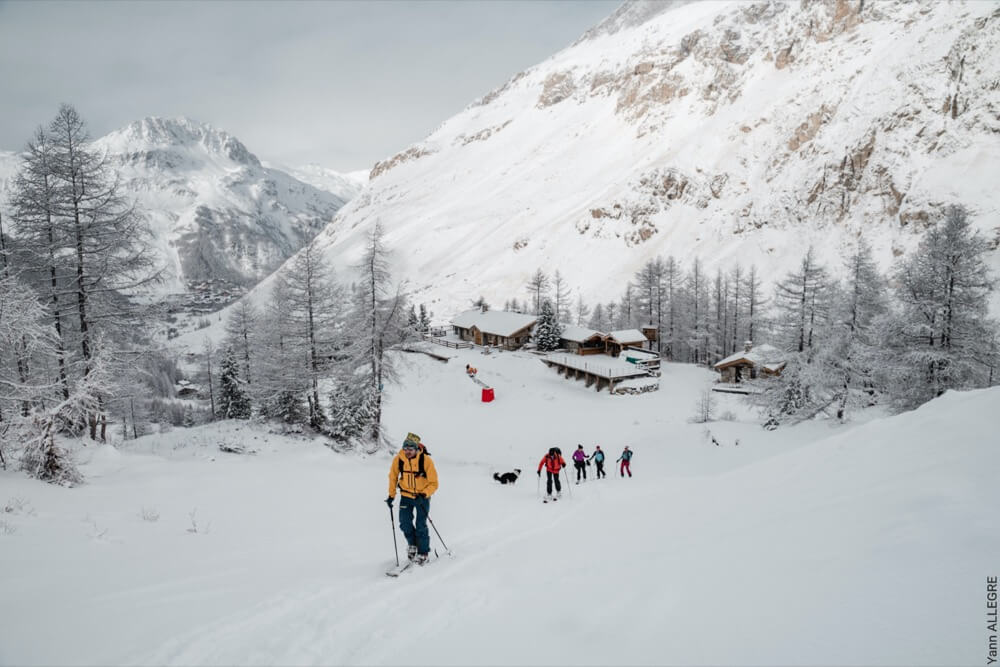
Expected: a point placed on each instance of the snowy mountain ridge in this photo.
(221, 219)
(732, 131)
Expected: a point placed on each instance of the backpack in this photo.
(420, 463)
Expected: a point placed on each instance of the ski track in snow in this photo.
(815, 544)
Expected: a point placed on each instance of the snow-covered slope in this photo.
(732, 130)
(344, 185)
(220, 218)
(868, 543)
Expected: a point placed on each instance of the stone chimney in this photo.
(747, 345)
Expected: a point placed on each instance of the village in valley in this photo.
(626, 361)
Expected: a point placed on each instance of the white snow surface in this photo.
(867, 543)
(733, 131)
(344, 185)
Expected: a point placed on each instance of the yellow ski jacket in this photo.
(414, 476)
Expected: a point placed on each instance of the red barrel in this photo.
(487, 394)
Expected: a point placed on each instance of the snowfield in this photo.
(868, 543)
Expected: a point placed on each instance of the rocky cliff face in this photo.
(735, 131)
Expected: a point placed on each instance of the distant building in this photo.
(498, 328)
(616, 341)
(186, 389)
(579, 340)
(753, 362)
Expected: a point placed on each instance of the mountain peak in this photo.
(154, 132)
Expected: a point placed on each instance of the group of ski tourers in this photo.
(412, 471)
(553, 463)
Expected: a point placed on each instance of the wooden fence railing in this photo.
(458, 345)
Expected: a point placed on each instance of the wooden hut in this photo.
(752, 362)
(579, 340)
(615, 341)
(497, 328)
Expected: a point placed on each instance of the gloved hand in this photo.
(539, 472)
(388, 501)
(421, 495)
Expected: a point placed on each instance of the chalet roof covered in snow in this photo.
(577, 334)
(759, 355)
(627, 336)
(498, 322)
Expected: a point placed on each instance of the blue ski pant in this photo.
(415, 532)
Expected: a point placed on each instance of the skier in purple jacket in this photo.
(580, 461)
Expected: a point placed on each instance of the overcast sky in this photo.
(341, 84)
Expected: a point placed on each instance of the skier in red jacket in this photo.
(553, 463)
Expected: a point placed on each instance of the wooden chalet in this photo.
(616, 341)
(497, 328)
(752, 362)
(579, 340)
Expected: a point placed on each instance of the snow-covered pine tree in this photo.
(425, 319)
(42, 457)
(810, 381)
(233, 400)
(626, 307)
(598, 321)
(351, 413)
(208, 349)
(695, 317)
(481, 304)
(755, 304)
(720, 316)
(35, 202)
(855, 344)
(378, 312)
(106, 239)
(647, 284)
(561, 300)
(669, 319)
(547, 329)
(412, 321)
(538, 287)
(611, 313)
(802, 302)
(736, 285)
(28, 350)
(314, 311)
(582, 312)
(943, 332)
(242, 326)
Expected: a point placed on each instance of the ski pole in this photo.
(538, 487)
(447, 550)
(568, 485)
(392, 520)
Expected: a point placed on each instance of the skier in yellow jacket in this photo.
(413, 471)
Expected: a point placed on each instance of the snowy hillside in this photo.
(220, 217)
(866, 544)
(734, 131)
(346, 186)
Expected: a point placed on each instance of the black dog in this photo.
(507, 477)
